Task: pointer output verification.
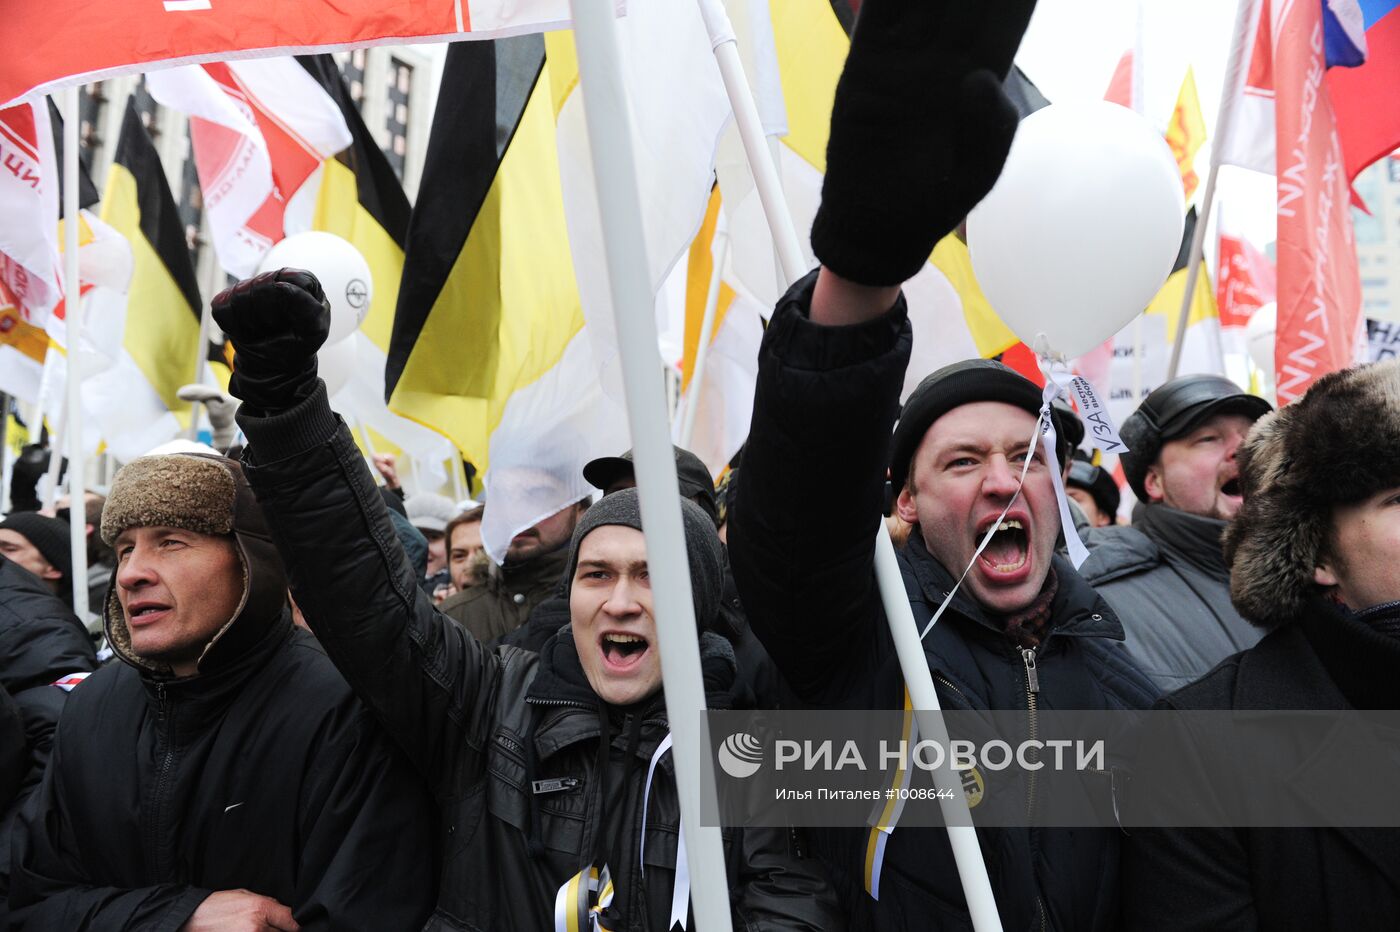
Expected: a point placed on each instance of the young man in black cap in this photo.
(1024, 631)
(40, 545)
(1092, 488)
(1166, 575)
(539, 759)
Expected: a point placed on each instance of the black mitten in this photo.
(920, 129)
(276, 322)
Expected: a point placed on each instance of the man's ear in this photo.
(904, 506)
(1153, 485)
(1324, 575)
(50, 572)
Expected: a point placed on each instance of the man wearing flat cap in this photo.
(1166, 576)
(222, 775)
(1024, 631)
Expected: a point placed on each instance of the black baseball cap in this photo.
(692, 476)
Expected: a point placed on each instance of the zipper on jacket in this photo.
(1032, 709)
(557, 702)
(155, 819)
(946, 682)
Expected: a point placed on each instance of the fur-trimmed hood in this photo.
(1337, 445)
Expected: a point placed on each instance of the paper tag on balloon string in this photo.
(1092, 411)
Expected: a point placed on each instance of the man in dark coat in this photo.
(1312, 554)
(44, 653)
(1024, 631)
(222, 774)
(548, 766)
(1166, 575)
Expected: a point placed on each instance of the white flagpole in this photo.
(1246, 14)
(967, 853)
(58, 444)
(707, 330)
(624, 243)
(73, 303)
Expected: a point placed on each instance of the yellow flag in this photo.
(1187, 132)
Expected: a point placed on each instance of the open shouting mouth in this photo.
(1008, 552)
(622, 650)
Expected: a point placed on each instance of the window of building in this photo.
(354, 71)
(400, 83)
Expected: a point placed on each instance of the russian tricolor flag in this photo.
(1365, 90)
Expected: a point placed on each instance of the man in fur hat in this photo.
(222, 776)
(1313, 555)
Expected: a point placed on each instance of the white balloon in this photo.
(336, 363)
(342, 270)
(1082, 227)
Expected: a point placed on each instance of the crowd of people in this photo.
(305, 701)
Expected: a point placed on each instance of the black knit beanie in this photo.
(49, 536)
(702, 546)
(965, 382)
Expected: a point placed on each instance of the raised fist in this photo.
(920, 129)
(276, 321)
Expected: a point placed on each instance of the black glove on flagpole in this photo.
(276, 321)
(920, 129)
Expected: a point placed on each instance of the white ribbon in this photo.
(568, 902)
(680, 894)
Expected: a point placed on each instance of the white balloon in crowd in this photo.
(343, 272)
(1082, 227)
(335, 363)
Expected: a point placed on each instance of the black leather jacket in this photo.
(484, 725)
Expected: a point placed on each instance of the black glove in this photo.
(919, 131)
(276, 321)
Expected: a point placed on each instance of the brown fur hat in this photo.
(194, 493)
(1337, 445)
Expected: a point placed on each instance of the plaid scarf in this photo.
(1027, 628)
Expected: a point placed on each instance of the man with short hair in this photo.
(465, 551)
(1166, 576)
(1313, 553)
(429, 513)
(532, 569)
(540, 760)
(41, 545)
(1023, 631)
(222, 776)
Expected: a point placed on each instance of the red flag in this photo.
(1319, 287)
(49, 44)
(1246, 281)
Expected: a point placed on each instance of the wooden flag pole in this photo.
(73, 304)
(633, 302)
(967, 853)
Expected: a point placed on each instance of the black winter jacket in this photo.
(262, 771)
(485, 725)
(1232, 880)
(41, 642)
(806, 575)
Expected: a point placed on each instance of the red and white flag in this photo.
(57, 43)
(1246, 135)
(261, 130)
(1319, 285)
(29, 265)
(1245, 278)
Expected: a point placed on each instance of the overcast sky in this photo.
(1073, 46)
